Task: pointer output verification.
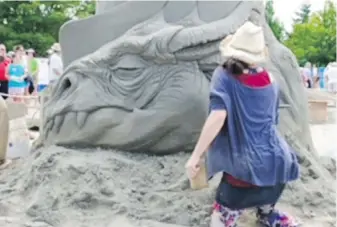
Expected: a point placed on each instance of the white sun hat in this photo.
(247, 44)
(56, 47)
(30, 50)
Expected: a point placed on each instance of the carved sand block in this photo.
(16, 110)
(19, 145)
(318, 111)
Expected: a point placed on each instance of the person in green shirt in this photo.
(33, 68)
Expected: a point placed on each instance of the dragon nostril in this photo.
(66, 84)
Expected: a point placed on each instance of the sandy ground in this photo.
(62, 187)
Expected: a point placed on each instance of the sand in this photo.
(64, 187)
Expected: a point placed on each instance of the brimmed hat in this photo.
(10, 54)
(56, 47)
(247, 44)
(30, 50)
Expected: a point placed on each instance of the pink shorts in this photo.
(16, 90)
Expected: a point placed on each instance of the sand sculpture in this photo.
(4, 133)
(136, 88)
(153, 78)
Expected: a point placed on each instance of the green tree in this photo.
(315, 41)
(35, 24)
(275, 25)
(303, 15)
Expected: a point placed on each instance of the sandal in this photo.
(224, 217)
(277, 219)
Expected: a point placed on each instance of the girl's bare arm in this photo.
(212, 126)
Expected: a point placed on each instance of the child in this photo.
(42, 77)
(242, 136)
(16, 74)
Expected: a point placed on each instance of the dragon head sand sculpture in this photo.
(137, 80)
(140, 83)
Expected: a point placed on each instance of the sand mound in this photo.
(64, 187)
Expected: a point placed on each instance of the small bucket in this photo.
(200, 181)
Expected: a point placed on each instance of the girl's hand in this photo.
(193, 166)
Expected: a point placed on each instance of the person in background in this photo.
(43, 78)
(55, 63)
(20, 52)
(307, 73)
(240, 135)
(10, 55)
(326, 69)
(16, 76)
(305, 79)
(331, 77)
(3, 69)
(33, 70)
(4, 53)
(315, 76)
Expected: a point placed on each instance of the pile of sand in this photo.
(64, 187)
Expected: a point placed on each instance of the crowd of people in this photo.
(22, 74)
(328, 79)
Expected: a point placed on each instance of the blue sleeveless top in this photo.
(249, 146)
(17, 71)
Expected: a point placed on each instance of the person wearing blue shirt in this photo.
(16, 74)
(241, 137)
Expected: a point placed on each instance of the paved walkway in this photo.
(324, 135)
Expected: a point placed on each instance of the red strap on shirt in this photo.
(257, 80)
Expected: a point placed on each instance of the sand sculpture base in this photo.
(62, 187)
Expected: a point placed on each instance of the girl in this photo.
(16, 75)
(241, 133)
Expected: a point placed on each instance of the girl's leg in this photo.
(269, 217)
(11, 92)
(16, 97)
(20, 93)
(224, 216)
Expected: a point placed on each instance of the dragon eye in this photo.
(126, 68)
(129, 63)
